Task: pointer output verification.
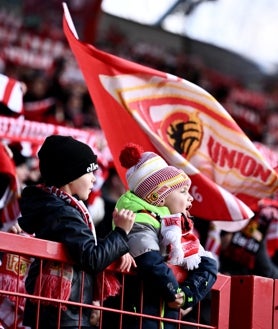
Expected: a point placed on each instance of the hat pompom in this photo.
(130, 155)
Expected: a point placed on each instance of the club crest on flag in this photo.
(195, 126)
(184, 132)
(170, 114)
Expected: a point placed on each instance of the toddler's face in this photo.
(180, 200)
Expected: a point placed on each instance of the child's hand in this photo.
(15, 229)
(126, 263)
(124, 219)
(178, 302)
(95, 315)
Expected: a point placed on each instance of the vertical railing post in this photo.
(275, 304)
(251, 304)
(220, 303)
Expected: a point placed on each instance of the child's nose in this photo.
(93, 177)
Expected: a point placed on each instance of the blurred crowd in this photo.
(59, 96)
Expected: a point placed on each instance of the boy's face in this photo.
(82, 186)
(180, 200)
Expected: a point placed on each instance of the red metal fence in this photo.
(238, 302)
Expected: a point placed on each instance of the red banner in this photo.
(36, 132)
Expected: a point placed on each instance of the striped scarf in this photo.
(72, 201)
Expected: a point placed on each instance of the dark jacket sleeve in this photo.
(109, 249)
(154, 271)
(90, 255)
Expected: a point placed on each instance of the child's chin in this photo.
(187, 213)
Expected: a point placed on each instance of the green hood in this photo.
(142, 209)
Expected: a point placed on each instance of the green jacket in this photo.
(145, 235)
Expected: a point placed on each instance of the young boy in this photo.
(157, 190)
(55, 211)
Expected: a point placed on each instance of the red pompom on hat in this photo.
(148, 175)
(130, 155)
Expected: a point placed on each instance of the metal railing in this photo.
(235, 302)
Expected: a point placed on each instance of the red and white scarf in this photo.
(182, 244)
(72, 201)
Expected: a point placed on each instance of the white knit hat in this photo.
(149, 176)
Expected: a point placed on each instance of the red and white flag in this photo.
(11, 94)
(181, 122)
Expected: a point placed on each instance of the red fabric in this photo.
(13, 271)
(9, 209)
(8, 90)
(130, 155)
(36, 132)
(179, 272)
(182, 245)
(7, 167)
(246, 243)
(11, 94)
(189, 241)
(107, 284)
(55, 282)
(269, 209)
(35, 110)
(123, 94)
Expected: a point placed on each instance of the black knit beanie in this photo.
(64, 159)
